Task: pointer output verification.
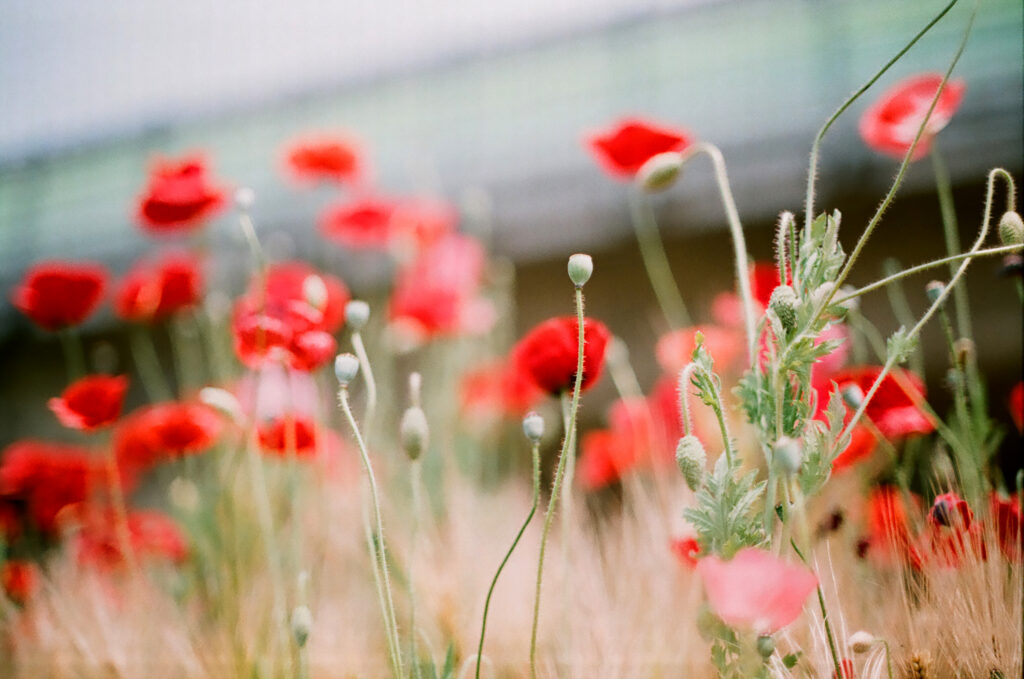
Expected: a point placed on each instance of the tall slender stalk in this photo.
(652, 252)
(74, 356)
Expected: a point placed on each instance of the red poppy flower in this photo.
(686, 550)
(1016, 405)
(91, 402)
(438, 293)
(497, 389)
(895, 408)
(289, 435)
(58, 294)
(756, 589)
(952, 533)
(151, 536)
(891, 123)
(364, 224)
(623, 149)
(951, 510)
(10, 521)
(46, 478)
(888, 525)
(165, 430)
(279, 321)
(179, 196)
(155, 290)
(548, 353)
(324, 158)
(19, 580)
(862, 444)
(1008, 519)
(606, 456)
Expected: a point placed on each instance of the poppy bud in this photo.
(861, 642)
(783, 303)
(346, 366)
(788, 454)
(414, 432)
(533, 427)
(660, 171)
(314, 291)
(244, 198)
(765, 646)
(580, 268)
(853, 395)
(934, 290)
(1011, 229)
(357, 313)
(691, 459)
(302, 622)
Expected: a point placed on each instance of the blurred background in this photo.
(485, 105)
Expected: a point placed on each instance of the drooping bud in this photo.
(533, 427)
(783, 303)
(660, 171)
(357, 313)
(414, 432)
(691, 460)
(861, 641)
(853, 395)
(346, 367)
(223, 401)
(765, 646)
(302, 623)
(1011, 228)
(244, 198)
(934, 290)
(315, 291)
(788, 454)
(580, 268)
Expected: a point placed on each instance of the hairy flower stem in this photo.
(416, 486)
(824, 617)
(652, 252)
(376, 541)
(556, 487)
(535, 452)
(74, 355)
(812, 172)
(371, 383)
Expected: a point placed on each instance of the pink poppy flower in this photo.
(891, 123)
(623, 148)
(756, 589)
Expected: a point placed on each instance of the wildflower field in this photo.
(400, 485)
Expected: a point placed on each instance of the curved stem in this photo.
(557, 486)
(652, 252)
(739, 244)
(377, 547)
(371, 383)
(529, 517)
(812, 172)
(685, 375)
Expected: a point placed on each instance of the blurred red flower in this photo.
(290, 317)
(91, 402)
(324, 157)
(890, 124)
(364, 224)
(952, 534)
(165, 430)
(951, 510)
(417, 225)
(607, 454)
(862, 444)
(497, 389)
(686, 550)
(674, 349)
(549, 353)
(289, 434)
(1016, 405)
(756, 589)
(1008, 519)
(151, 537)
(154, 290)
(46, 478)
(57, 294)
(623, 148)
(847, 668)
(437, 294)
(889, 531)
(179, 196)
(19, 580)
(895, 408)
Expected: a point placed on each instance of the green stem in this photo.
(901, 309)
(529, 517)
(371, 383)
(812, 172)
(951, 232)
(557, 486)
(416, 485)
(824, 617)
(148, 365)
(652, 252)
(74, 355)
(378, 549)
